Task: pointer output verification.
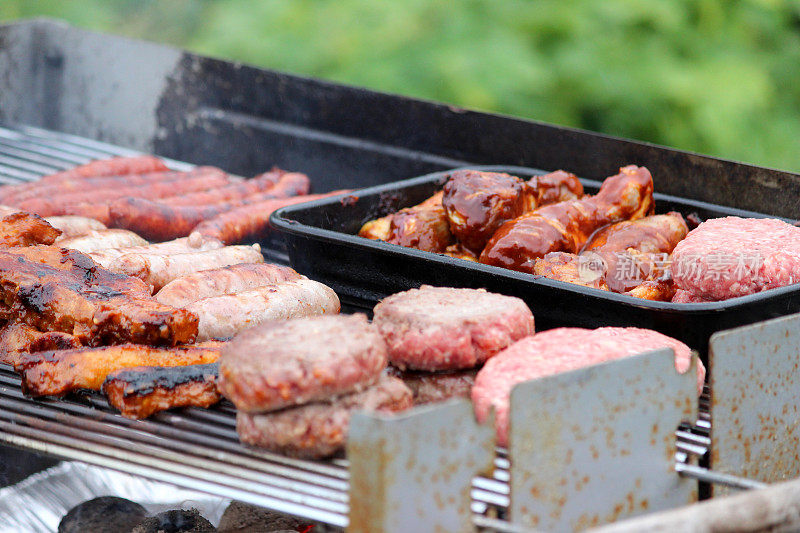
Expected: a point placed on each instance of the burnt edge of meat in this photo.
(141, 382)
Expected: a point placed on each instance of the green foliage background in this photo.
(715, 76)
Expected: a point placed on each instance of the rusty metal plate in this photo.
(597, 444)
(755, 394)
(413, 471)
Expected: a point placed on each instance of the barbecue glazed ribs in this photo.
(54, 289)
(139, 392)
(59, 372)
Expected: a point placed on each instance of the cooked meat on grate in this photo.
(440, 328)
(219, 281)
(141, 391)
(224, 316)
(182, 245)
(56, 373)
(566, 226)
(55, 289)
(251, 221)
(115, 166)
(17, 338)
(39, 189)
(25, 229)
(199, 179)
(561, 350)
(97, 211)
(729, 257)
(158, 269)
(279, 364)
(432, 387)
(159, 221)
(72, 226)
(97, 240)
(232, 191)
(81, 266)
(477, 203)
(319, 429)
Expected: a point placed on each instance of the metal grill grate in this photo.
(195, 448)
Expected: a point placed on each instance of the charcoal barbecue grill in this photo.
(68, 96)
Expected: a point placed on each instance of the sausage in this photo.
(159, 269)
(115, 166)
(226, 280)
(98, 212)
(45, 190)
(158, 221)
(231, 191)
(249, 221)
(72, 226)
(224, 316)
(177, 246)
(198, 179)
(101, 240)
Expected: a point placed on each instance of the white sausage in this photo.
(178, 246)
(101, 240)
(160, 269)
(72, 226)
(226, 280)
(225, 316)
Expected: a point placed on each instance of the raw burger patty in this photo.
(301, 360)
(319, 429)
(729, 257)
(438, 328)
(561, 350)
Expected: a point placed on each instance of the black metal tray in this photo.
(322, 244)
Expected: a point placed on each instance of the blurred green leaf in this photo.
(715, 76)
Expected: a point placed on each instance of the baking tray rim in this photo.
(282, 220)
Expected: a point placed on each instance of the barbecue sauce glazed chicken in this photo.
(629, 258)
(477, 203)
(566, 226)
(458, 220)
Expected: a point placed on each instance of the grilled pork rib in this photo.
(139, 392)
(54, 289)
(59, 372)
